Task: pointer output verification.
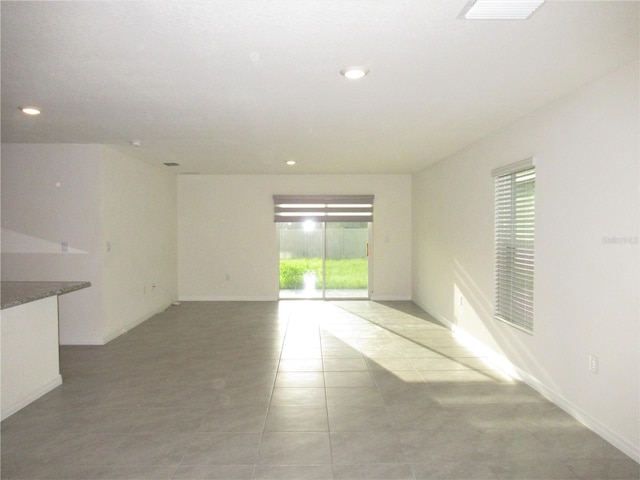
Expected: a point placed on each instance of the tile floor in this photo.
(295, 390)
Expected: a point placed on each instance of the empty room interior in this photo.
(326, 239)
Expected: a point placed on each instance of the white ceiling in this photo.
(241, 86)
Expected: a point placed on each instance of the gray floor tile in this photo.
(234, 418)
(358, 419)
(345, 364)
(152, 449)
(170, 420)
(134, 472)
(364, 448)
(414, 417)
(458, 470)
(354, 396)
(296, 419)
(300, 365)
(295, 448)
(25, 471)
(213, 472)
(575, 443)
(293, 472)
(222, 449)
(348, 379)
(514, 444)
(438, 446)
(455, 394)
(389, 363)
(389, 471)
(299, 380)
(606, 468)
(548, 470)
(302, 397)
(345, 390)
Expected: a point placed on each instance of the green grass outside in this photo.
(348, 273)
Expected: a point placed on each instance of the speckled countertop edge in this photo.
(18, 293)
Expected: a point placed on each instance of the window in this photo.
(514, 243)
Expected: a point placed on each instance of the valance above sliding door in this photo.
(323, 208)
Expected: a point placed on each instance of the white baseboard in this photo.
(583, 417)
(82, 341)
(441, 318)
(112, 336)
(391, 298)
(580, 415)
(231, 298)
(50, 385)
(215, 298)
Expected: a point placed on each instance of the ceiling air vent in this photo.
(500, 9)
(171, 164)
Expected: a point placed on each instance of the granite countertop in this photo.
(16, 293)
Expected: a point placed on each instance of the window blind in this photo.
(323, 208)
(514, 244)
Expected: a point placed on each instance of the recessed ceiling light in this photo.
(290, 162)
(354, 73)
(30, 110)
(136, 143)
(500, 9)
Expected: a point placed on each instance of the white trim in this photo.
(441, 318)
(587, 420)
(208, 298)
(513, 167)
(32, 397)
(390, 298)
(516, 372)
(69, 341)
(112, 336)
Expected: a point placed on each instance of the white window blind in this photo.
(323, 208)
(514, 243)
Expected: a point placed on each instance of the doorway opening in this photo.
(324, 260)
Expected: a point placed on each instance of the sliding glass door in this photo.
(324, 259)
(346, 260)
(324, 245)
(301, 257)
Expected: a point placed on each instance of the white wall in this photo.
(86, 195)
(138, 240)
(225, 227)
(50, 195)
(586, 149)
(29, 360)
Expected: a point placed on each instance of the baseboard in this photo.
(441, 318)
(232, 298)
(53, 383)
(391, 298)
(583, 417)
(504, 363)
(229, 298)
(133, 324)
(68, 341)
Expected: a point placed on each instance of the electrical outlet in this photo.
(594, 364)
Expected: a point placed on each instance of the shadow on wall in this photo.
(16, 242)
(475, 325)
